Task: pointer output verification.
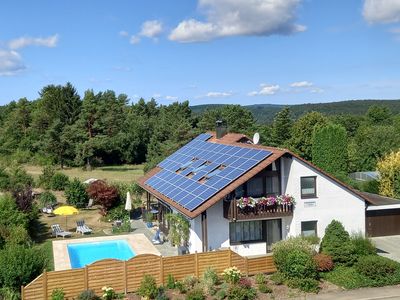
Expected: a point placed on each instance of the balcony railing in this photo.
(259, 211)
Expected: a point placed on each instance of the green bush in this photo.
(211, 276)
(19, 178)
(260, 278)
(20, 265)
(238, 292)
(76, 193)
(278, 278)
(148, 287)
(190, 282)
(47, 198)
(170, 281)
(117, 213)
(221, 294)
(346, 277)
(9, 294)
(59, 182)
(232, 275)
(88, 295)
(58, 294)
(4, 180)
(195, 294)
(9, 213)
(362, 246)
(294, 258)
(180, 287)
(376, 267)
(264, 288)
(308, 285)
(312, 239)
(46, 176)
(336, 243)
(17, 235)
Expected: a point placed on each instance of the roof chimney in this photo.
(221, 128)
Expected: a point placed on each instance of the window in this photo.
(255, 187)
(272, 185)
(244, 232)
(309, 228)
(239, 192)
(308, 187)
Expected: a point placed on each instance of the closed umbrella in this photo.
(66, 211)
(128, 203)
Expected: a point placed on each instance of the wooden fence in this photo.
(125, 276)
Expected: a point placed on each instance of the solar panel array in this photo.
(216, 165)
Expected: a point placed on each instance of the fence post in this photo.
(125, 277)
(196, 262)
(44, 284)
(85, 278)
(230, 258)
(162, 270)
(246, 262)
(22, 292)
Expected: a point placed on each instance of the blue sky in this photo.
(206, 51)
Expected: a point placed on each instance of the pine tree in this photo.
(282, 127)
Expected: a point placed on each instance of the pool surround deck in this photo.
(139, 243)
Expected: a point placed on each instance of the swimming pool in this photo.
(81, 254)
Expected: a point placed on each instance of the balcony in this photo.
(233, 213)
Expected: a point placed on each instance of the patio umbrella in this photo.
(66, 211)
(128, 203)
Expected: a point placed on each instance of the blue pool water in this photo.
(86, 253)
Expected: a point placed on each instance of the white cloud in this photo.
(149, 29)
(156, 95)
(382, 11)
(239, 17)
(123, 33)
(265, 90)
(172, 98)
(301, 84)
(10, 63)
(218, 94)
(316, 90)
(23, 42)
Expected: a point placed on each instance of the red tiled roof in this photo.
(242, 141)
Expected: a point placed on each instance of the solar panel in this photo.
(203, 159)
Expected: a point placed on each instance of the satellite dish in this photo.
(256, 138)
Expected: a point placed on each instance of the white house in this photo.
(210, 179)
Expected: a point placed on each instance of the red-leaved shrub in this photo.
(324, 262)
(245, 282)
(103, 194)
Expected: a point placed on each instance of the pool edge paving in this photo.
(138, 242)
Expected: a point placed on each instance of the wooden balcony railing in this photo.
(233, 212)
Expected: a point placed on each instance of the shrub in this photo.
(4, 180)
(9, 294)
(148, 287)
(180, 287)
(260, 278)
(20, 265)
(190, 282)
(59, 182)
(47, 198)
(103, 194)
(109, 293)
(17, 235)
(221, 294)
(23, 198)
(195, 294)
(362, 246)
(9, 213)
(211, 276)
(76, 193)
(346, 277)
(58, 294)
(19, 178)
(88, 295)
(278, 278)
(238, 292)
(46, 176)
(375, 267)
(336, 243)
(324, 262)
(308, 285)
(312, 239)
(118, 213)
(232, 275)
(170, 282)
(263, 288)
(245, 282)
(294, 258)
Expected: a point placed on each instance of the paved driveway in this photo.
(388, 246)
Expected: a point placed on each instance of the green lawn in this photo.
(123, 173)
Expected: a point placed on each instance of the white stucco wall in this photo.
(333, 202)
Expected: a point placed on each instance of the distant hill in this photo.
(264, 113)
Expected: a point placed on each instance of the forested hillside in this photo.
(264, 113)
(64, 128)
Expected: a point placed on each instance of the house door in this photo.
(273, 230)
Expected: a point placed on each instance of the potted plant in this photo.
(148, 218)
